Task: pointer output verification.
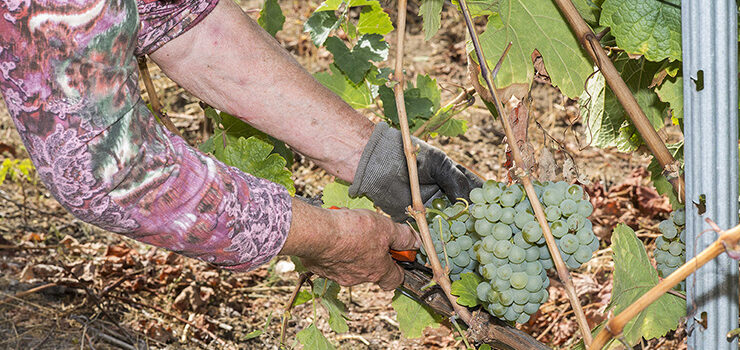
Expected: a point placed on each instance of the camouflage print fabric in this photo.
(68, 75)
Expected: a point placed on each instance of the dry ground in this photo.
(102, 290)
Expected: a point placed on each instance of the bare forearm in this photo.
(231, 63)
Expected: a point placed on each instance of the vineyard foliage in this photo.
(642, 38)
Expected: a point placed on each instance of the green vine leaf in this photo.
(373, 20)
(271, 17)
(320, 25)
(312, 339)
(327, 291)
(254, 156)
(634, 275)
(660, 182)
(466, 289)
(671, 92)
(357, 96)
(648, 28)
(609, 125)
(356, 63)
(337, 195)
(413, 317)
(589, 10)
(418, 108)
(479, 7)
(431, 12)
(333, 5)
(531, 25)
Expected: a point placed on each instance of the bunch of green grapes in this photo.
(670, 247)
(452, 235)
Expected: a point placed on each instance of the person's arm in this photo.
(228, 61)
(72, 91)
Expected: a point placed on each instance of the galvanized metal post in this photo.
(710, 45)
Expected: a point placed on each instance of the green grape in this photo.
(585, 208)
(483, 289)
(552, 213)
(524, 206)
(559, 228)
(497, 309)
(478, 211)
(500, 262)
(493, 297)
(517, 255)
(520, 267)
(465, 242)
(489, 243)
(532, 232)
(594, 245)
(522, 218)
(462, 260)
(437, 246)
(477, 195)
(470, 224)
(500, 285)
(532, 307)
(492, 194)
(679, 217)
(493, 213)
(544, 295)
(568, 207)
(484, 257)
(483, 227)
(455, 271)
(487, 271)
(668, 229)
(533, 268)
(523, 318)
(517, 307)
(519, 279)
(569, 243)
(507, 215)
(574, 192)
(661, 243)
(504, 272)
(502, 249)
(453, 249)
(521, 297)
(547, 264)
(583, 254)
(520, 242)
(533, 254)
(552, 196)
(439, 203)
(660, 256)
(508, 199)
(511, 315)
(506, 297)
(534, 298)
(584, 237)
(544, 253)
(458, 228)
(576, 222)
(501, 232)
(676, 248)
(534, 283)
(572, 263)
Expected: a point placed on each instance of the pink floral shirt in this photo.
(69, 77)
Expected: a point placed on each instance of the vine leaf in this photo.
(320, 24)
(588, 10)
(480, 7)
(254, 156)
(413, 317)
(327, 291)
(431, 12)
(608, 123)
(531, 25)
(418, 108)
(648, 28)
(356, 63)
(337, 195)
(357, 96)
(271, 17)
(466, 289)
(333, 5)
(633, 277)
(311, 338)
(660, 181)
(671, 92)
(373, 20)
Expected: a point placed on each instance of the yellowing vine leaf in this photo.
(337, 195)
(531, 25)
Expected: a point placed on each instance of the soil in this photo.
(101, 290)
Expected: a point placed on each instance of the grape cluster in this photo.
(670, 247)
(508, 248)
(451, 234)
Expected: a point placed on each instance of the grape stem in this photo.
(727, 240)
(524, 177)
(417, 210)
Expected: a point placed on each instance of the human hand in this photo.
(349, 246)
(382, 173)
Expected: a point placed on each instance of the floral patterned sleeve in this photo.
(69, 77)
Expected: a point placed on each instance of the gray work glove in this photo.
(382, 174)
